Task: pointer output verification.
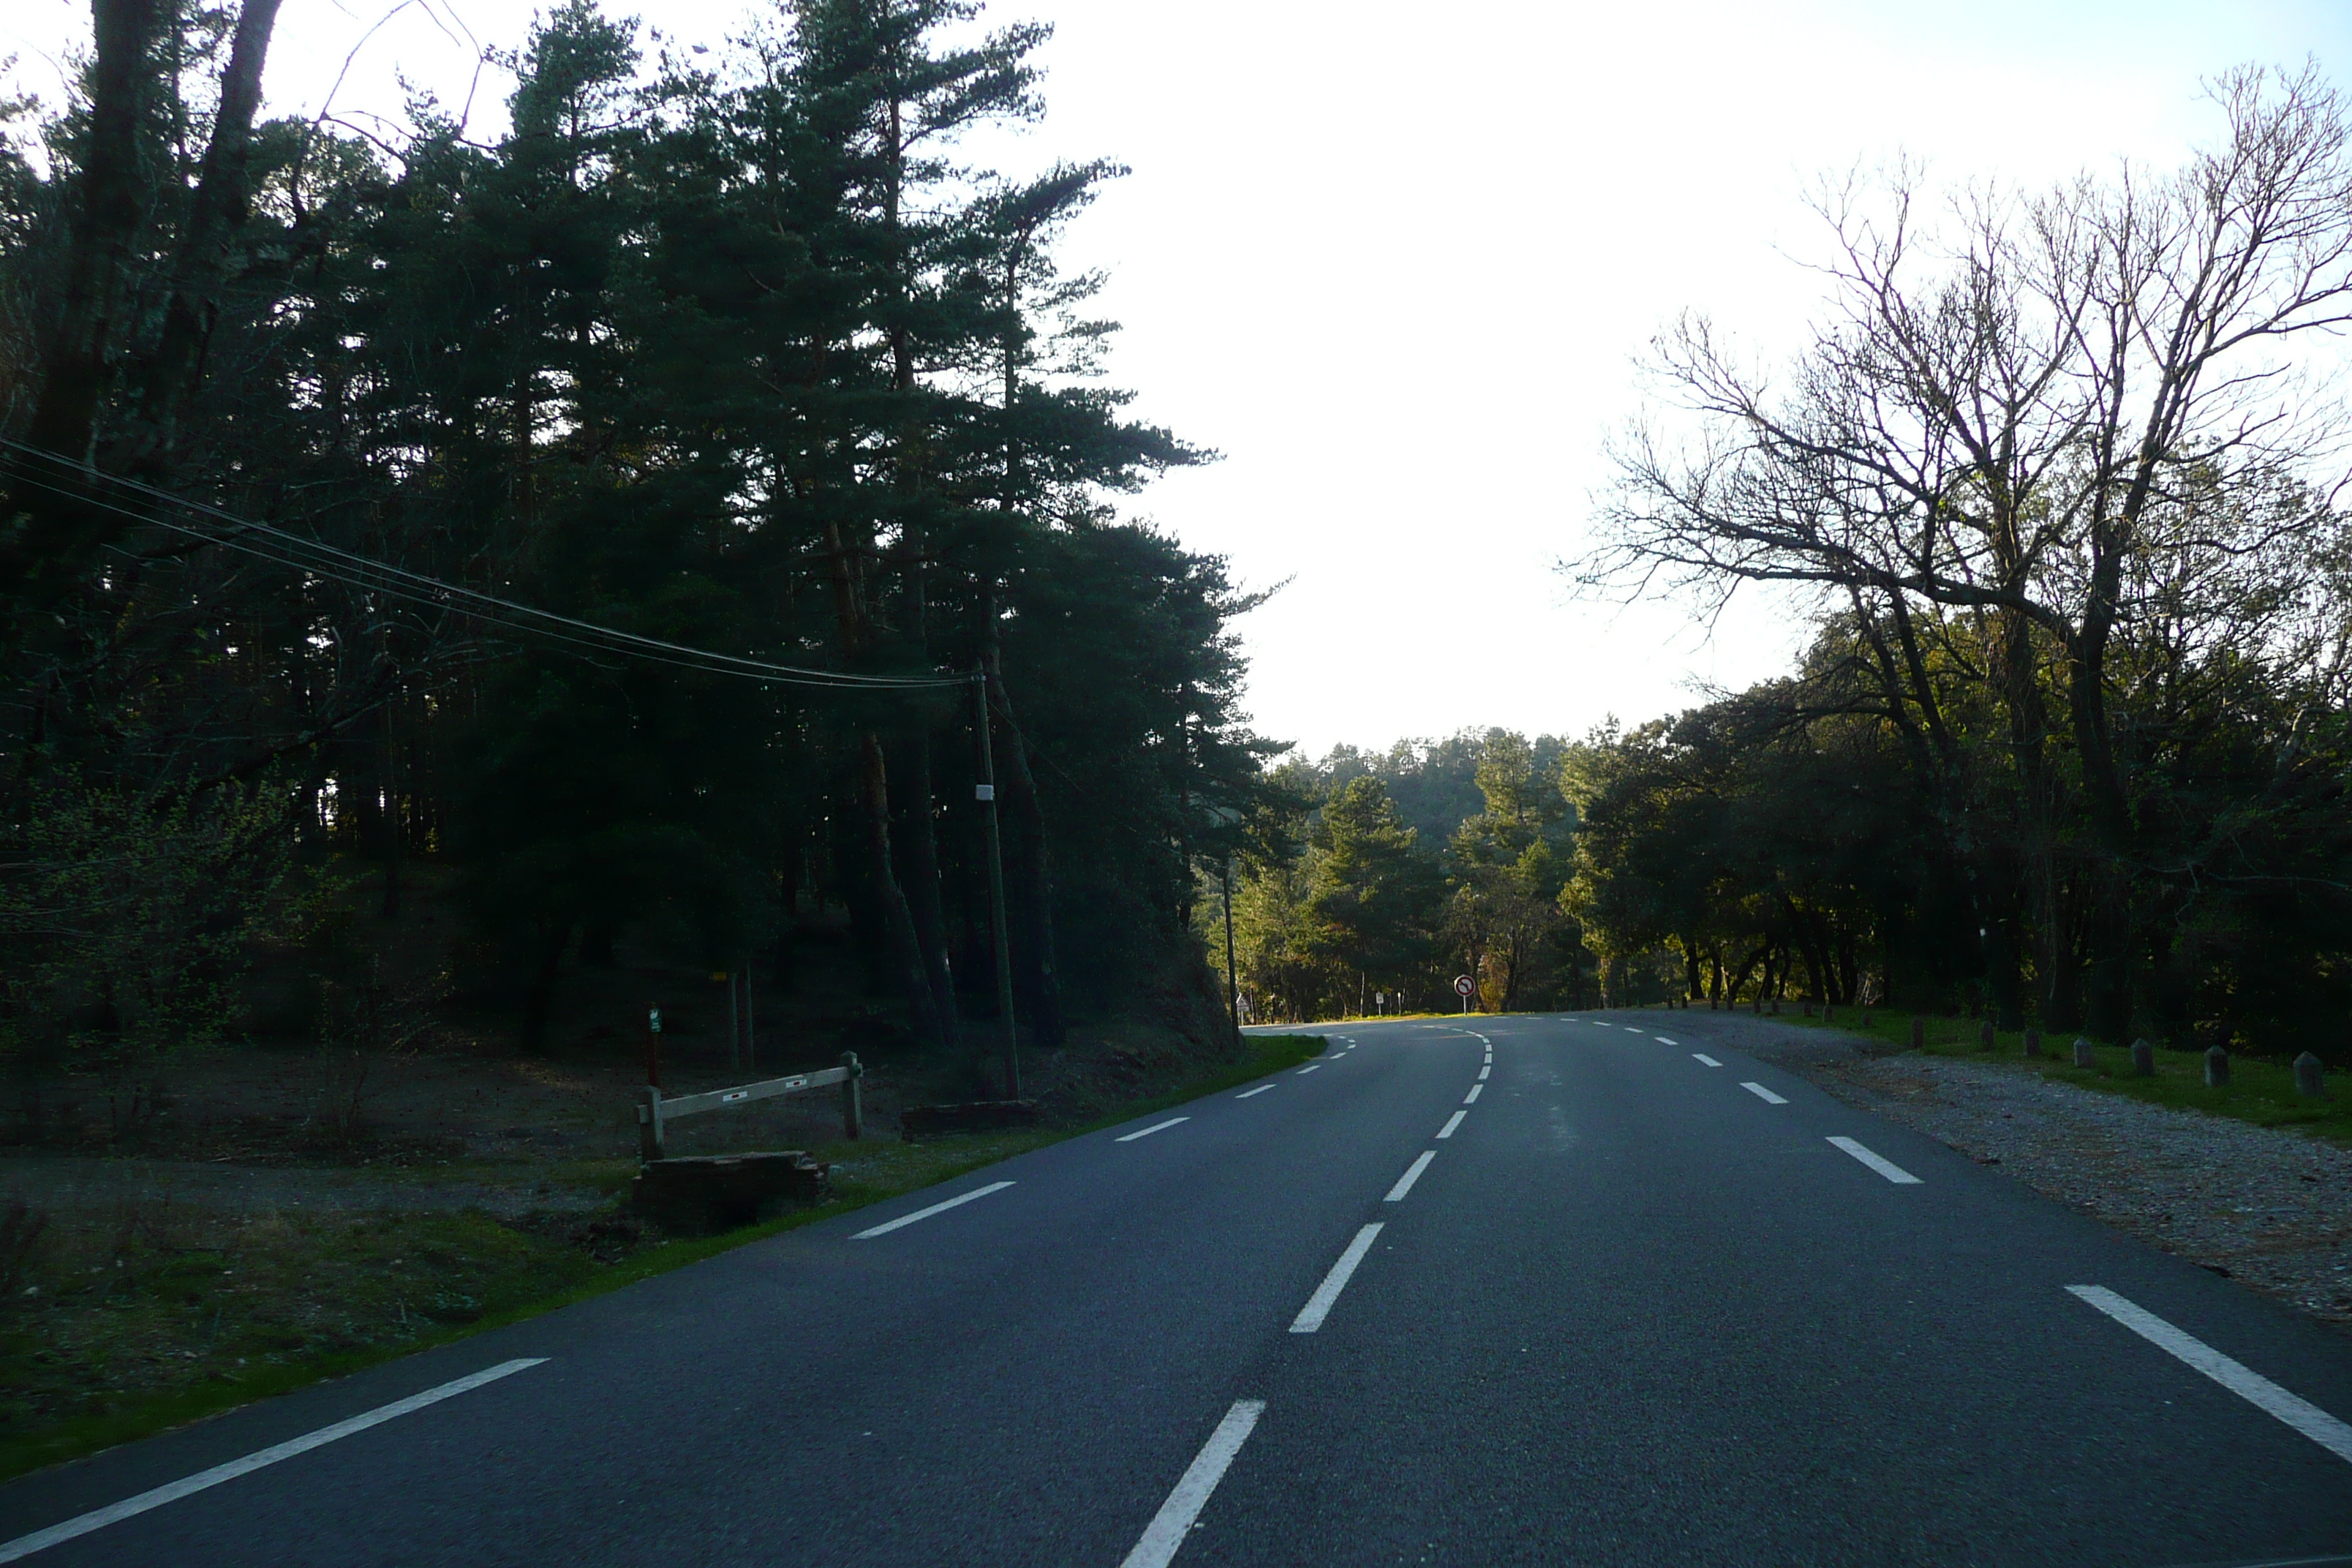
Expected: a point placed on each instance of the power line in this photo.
(283, 548)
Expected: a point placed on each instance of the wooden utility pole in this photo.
(1232, 985)
(985, 791)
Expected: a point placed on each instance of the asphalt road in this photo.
(1629, 1309)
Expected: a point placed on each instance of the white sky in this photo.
(1395, 262)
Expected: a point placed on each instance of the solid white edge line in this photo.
(1318, 1306)
(1259, 1090)
(1704, 1057)
(1472, 1098)
(99, 1519)
(886, 1227)
(1157, 1127)
(1452, 1122)
(2306, 1417)
(1885, 1167)
(1173, 1522)
(1413, 1174)
(1765, 1095)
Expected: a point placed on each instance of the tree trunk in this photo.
(897, 922)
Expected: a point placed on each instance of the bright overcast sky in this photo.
(1396, 262)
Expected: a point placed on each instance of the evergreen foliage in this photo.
(726, 347)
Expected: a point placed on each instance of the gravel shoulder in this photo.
(2268, 1207)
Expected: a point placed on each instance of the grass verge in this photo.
(166, 1316)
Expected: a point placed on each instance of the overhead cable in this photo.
(283, 548)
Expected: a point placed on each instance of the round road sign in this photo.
(1464, 986)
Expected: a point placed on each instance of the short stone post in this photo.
(649, 1123)
(1918, 1033)
(1984, 1035)
(2032, 1042)
(1866, 1017)
(2217, 1068)
(1829, 1011)
(853, 1120)
(2143, 1059)
(2310, 1081)
(2082, 1056)
(1809, 1007)
(1755, 1003)
(1776, 1006)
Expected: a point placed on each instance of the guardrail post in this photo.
(852, 1118)
(649, 1123)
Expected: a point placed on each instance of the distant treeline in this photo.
(725, 348)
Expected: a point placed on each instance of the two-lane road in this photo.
(1588, 1289)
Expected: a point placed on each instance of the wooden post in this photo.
(1984, 1035)
(1918, 1033)
(2216, 1066)
(751, 1022)
(649, 1122)
(653, 1047)
(852, 1120)
(2032, 1042)
(734, 1021)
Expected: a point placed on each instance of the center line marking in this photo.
(1885, 1167)
(114, 1513)
(1310, 1067)
(1485, 1070)
(1413, 1175)
(1765, 1095)
(926, 1213)
(1259, 1090)
(1156, 1127)
(1318, 1306)
(1663, 1041)
(1703, 1057)
(2241, 1379)
(1173, 1522)
(1452, 1122)
(1472, 1098)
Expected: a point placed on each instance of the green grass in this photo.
(2259, 1091)
(169, 1316)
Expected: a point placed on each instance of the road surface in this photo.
(1577, 1288)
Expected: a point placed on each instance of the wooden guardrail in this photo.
(653, 1112)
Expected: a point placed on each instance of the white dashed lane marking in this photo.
(1259, 1090)
(1318, 1306)
(2241, 1379)
(1472, 1098)
(1413, 1174)
(1765, 1095)
(1452, 1122)
(1156, 1127)
(1703, 1057)
(1885, 1167)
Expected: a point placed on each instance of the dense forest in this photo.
(617, 516)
